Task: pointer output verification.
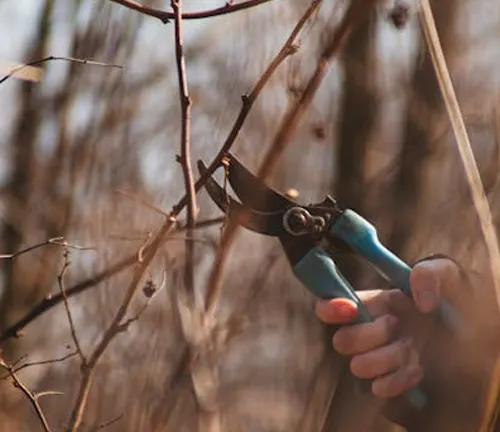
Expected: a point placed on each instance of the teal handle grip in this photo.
(362, 237)
(317, 271)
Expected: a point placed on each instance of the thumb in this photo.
(429, 279)
(336, 311)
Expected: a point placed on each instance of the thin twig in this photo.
(44, 362)
(15, 70)
(185, 157)
(478, 194)
(49, 393)
(165, 16)
(62, 289)
(108, 423)
(51, 241)
(32, 397)
(141, 200)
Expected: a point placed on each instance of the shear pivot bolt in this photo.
(297, 221)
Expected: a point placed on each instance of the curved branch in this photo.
(165, 16)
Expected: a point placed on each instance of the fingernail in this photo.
(347, 312)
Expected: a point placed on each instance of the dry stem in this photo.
(185, 158)
(474, 179)
(60, 281)
(51, 58)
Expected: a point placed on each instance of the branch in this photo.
(478, 194)
(185, 157)
(13, 255)
(108, 423)
(17, 69)
(32, 397)
(43, 362)
(60, 281)
(165, 16)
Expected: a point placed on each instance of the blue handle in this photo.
(320, 275)
(362, 237)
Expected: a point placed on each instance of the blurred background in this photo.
(376, 136)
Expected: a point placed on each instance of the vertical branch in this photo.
(62, 290)
(478, 194)
(185, 158)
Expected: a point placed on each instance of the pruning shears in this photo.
(307, 234)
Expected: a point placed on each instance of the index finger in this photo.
(343, 311)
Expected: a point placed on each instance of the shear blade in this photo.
(252, 191)
(264, 223)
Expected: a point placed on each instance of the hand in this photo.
(387, 349)
(405, 345)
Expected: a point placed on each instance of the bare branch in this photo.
(108, 423)
(32, 397)
(17, 69)
(60, 281)
(479, 198)
(165, 16)
(141, 200)
(57, 241)
(51, 241)
(43, 362)
(49, 393)
(185, 157)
